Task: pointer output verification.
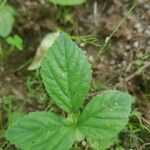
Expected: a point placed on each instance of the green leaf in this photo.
(16, 115)
(41, 131)
(66, 74)
(79, 136)
(67, 2)
(15, 41)
(101, 144)
(105, 115)
(7, 19)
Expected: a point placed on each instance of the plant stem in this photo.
(9, 111)
(4, 144)
(2, 3)
(74, 120)
(9, 51)
(1, 121)
(1, 50)
(120, 23)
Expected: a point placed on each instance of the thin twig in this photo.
(138, 72)
(3, 3)
(146, 121)
(120, 23)
(95, 13)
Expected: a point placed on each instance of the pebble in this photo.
(83, 143)
(82, 44)
(139, 27)
(112, 62)
(91, 58)
(125, 54)
(128, 47)
(8, 79)
(124, 63)
(119, 65)
(136, 44)
(129, 37)
(2, 69)
(147, 31)
(146, 6)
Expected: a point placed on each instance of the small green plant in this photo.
(67, 2)
(16, 42)
(66, 74)
(7, 19)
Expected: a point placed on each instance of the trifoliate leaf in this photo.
(67, 2)
(41, 131)
(66, 73)
(7, 19)
(42, 50)
(105, 115)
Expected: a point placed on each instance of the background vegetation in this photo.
(115, 35)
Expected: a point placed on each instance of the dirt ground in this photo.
(124, 65)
